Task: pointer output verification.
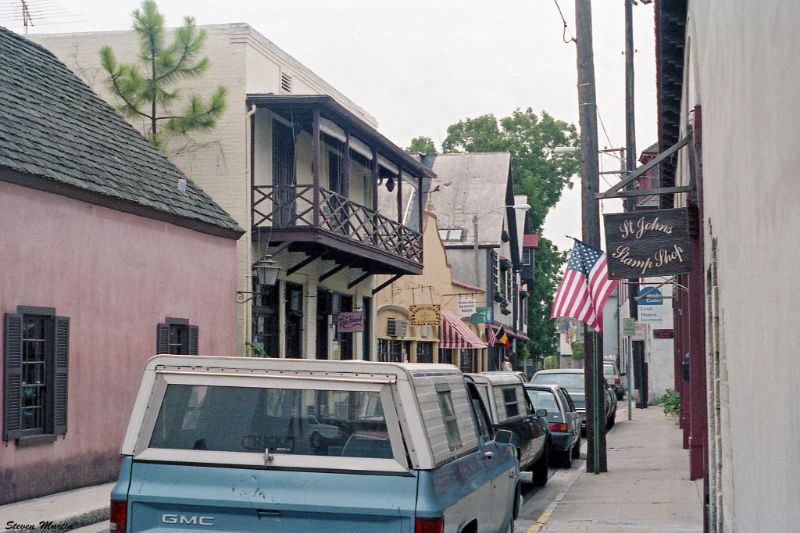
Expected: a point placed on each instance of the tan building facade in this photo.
(425, 318)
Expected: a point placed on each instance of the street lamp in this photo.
(266, 272)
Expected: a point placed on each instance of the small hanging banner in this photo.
(349, 322)
(648, 243)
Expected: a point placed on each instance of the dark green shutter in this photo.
(193, 333)
(162, 338)
(12, 394)
(60, 380)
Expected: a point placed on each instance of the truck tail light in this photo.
(559, 426)
(119, 516)
(429, 525)
(616, 381)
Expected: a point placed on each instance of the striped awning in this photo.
(455, 335)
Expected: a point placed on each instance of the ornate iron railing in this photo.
(290, 206)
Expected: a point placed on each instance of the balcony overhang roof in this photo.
(333, 110)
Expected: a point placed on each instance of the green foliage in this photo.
(550, 362)
(541, 330)
(577, 351)
(537, 172)
(422, 145)
(256, 349)
(670, 402)
(145, 91)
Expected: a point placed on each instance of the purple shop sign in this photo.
(350, 322)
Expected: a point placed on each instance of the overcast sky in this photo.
(421, 66)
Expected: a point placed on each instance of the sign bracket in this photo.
(616, 192)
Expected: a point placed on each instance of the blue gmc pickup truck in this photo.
(288, 445)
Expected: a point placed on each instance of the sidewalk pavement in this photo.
(646, 489)
(63, 511)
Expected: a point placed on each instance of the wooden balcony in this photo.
(326, 222)
(323, 223)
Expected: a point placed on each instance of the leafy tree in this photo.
(541, 175)
(577, 351)
(146, 93)
(422, 145)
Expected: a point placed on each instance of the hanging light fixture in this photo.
(390, 184)
(266, 270)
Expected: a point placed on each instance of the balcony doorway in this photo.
(284, 204)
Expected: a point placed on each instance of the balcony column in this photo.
(346, 173)
(400, 195)
(420, 202)
(316, 146)
(375, 175)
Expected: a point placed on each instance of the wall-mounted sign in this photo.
(663, 334)
(641, 332)
(628, 327)
(648, 243)
(482, 315)
(424, 315)
(651, 305)
(349, 322)
(466, 305)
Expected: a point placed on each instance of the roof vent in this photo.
(286, 82)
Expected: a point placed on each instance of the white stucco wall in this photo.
(742, 69)
(243, 61)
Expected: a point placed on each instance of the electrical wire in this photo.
(564, 33)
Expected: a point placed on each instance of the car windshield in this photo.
(285, 421)
(609, 370)
(543, 399)
(572, 381)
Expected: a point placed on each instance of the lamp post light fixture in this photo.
(266, 272)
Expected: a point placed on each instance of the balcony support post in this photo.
(375, 176)
(316, 147)
(346, 173)
(400, 195)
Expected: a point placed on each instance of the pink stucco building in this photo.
(107, 256)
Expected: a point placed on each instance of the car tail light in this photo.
(429, 525)
(559, 426)
(119, 516)
(616, 381)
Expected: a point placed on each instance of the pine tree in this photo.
(146, 91)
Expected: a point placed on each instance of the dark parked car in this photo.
(563, 421)
(508, 406)
(572, 380)
(613, 378)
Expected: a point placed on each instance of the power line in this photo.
(564, 33)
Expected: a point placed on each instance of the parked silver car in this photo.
(562, 420)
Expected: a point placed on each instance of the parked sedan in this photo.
(572, 379)
(612, 376)
(565, 427)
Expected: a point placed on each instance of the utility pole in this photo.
(630, 141)
(590, 221)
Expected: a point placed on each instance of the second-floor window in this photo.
(176, 336)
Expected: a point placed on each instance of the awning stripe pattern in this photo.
(455, 335)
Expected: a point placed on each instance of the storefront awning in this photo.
(455, 335)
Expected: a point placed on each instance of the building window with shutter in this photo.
(177, 336)
(36, 356)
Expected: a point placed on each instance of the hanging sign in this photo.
(424, 315)
(482, 315)
(466, 305)
(648, 243)
(349, 322)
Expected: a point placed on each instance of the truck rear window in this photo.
(284, 421)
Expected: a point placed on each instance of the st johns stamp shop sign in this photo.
(651, 243)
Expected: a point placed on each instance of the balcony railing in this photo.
(293, 206)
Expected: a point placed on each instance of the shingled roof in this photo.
(56, 134)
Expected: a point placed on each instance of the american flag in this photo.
(585, 287)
